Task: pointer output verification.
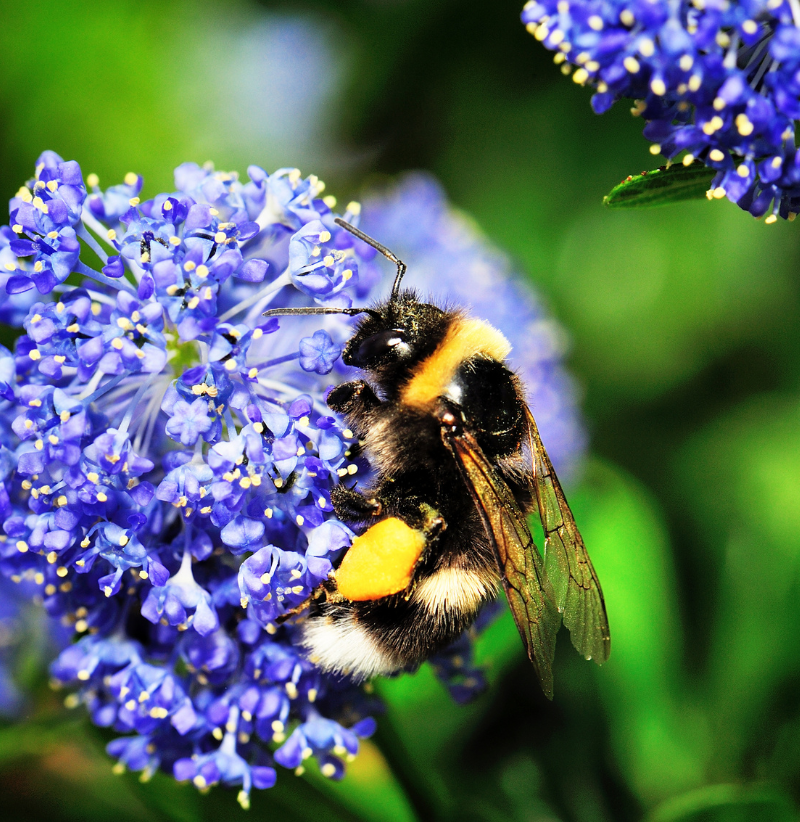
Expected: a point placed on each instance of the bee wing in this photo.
(528, 592)
(578, 595)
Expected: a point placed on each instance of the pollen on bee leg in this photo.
(381, 561)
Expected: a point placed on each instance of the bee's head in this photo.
(392, 336)
(395, 334)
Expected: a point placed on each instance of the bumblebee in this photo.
(459, 464)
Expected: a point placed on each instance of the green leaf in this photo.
(727, 803)
(661, 186)
(658, 739)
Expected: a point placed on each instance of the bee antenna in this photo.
(401, 266)
(351, 312)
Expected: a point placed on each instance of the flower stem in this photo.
(117, 285)
(92, 243)
(274, 286)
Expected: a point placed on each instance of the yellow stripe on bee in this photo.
(465, 338)
(380, 562)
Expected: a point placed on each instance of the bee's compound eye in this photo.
(378, 344)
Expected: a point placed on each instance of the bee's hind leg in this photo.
(349, 504)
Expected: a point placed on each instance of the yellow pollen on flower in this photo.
(92, 180)
(53, 235)
(749, 27)
(695, 81)
(22, 546)
(776, 162)
(193, 303)
(38, 445)
(134, 201)
(252, 373)
(202, 271)
(743, 125)
(647, 47)
(39, 203)
(53, 439)
(35, 354)
(773, 218)
(658, 87)
(52, 557)
(743, 171)
(172, 290)
(213, 212)
(220, 237)
(655, 148)
(167, 206)
(38, 267)
(189, 266)
(175, 240)
(111, 234)
(716, 155)
(580, 76)
(631, 64)
(10, 267)
(62, 500)
(268, 513)
(354, 207)
(718, 193)
(101, 497)
(117, 343)
(62, 571)
(24, 194)
(124, 540)
(145, 258)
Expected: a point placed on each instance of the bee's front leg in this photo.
(350, 505)
(353, 399)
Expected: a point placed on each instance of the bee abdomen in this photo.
(364, 640)
(456, 593)
(337, 642)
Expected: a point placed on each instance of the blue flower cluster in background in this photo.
(167, 457)
(716, 79)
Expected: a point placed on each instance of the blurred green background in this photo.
(685, 342)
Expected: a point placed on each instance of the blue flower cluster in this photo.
(167, 457)
(716, 79)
